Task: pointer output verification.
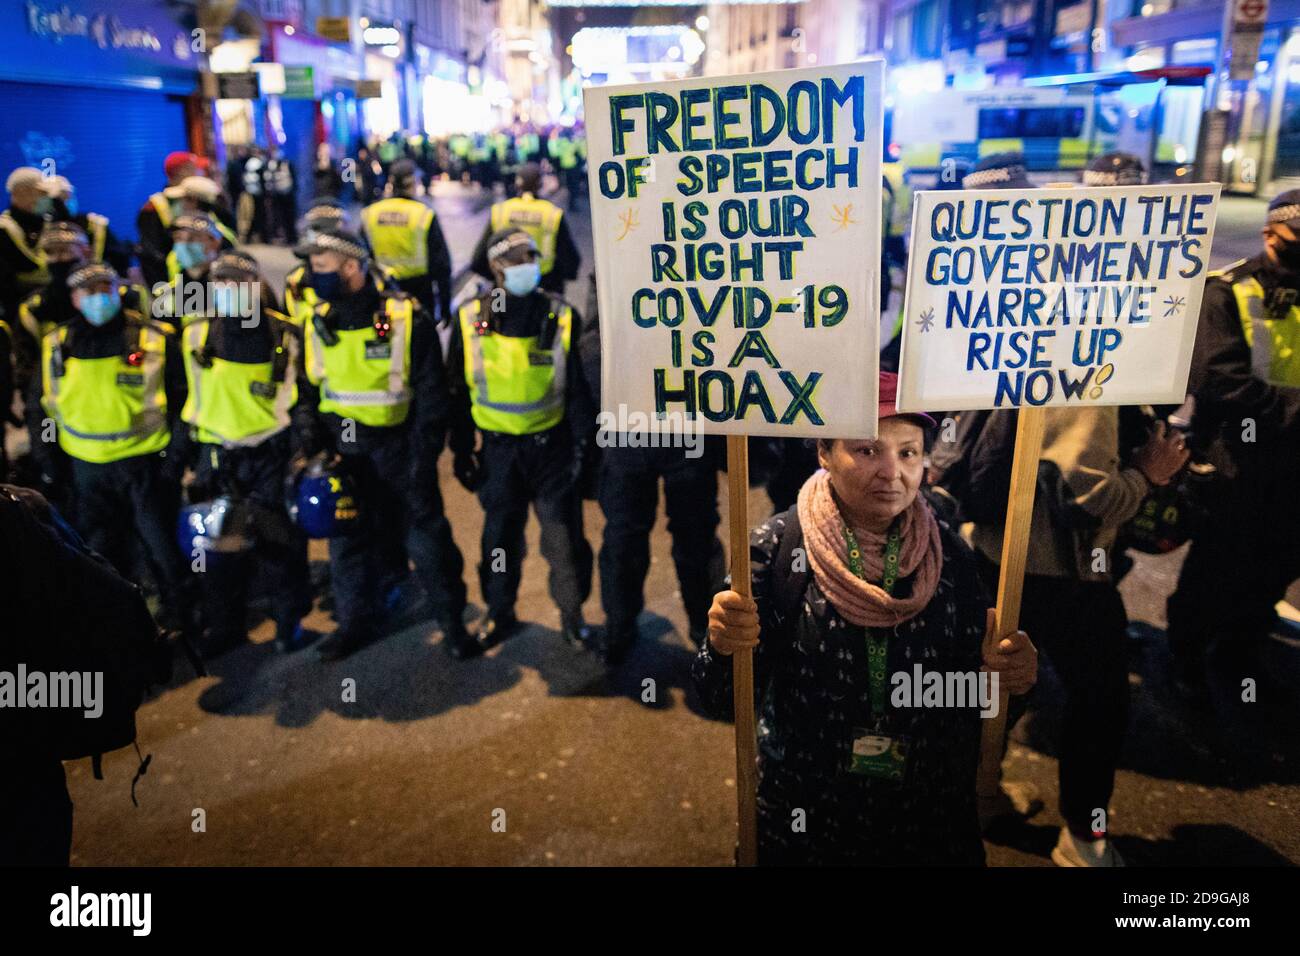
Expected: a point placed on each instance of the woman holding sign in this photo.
(868, 618)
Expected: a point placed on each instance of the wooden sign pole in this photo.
(1011, 580)
(742, 661)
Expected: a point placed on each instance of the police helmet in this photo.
(322, 500)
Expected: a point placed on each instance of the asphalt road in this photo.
(585, 768)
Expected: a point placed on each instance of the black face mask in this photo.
(59, 272)
(1288, 257)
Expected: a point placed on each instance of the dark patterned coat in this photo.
(810, 678)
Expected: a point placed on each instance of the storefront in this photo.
(100, 92)
(1261, 152)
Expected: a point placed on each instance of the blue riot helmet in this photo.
(221, 526)
(322, 499)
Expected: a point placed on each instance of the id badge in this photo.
(379, 349)
(878, 753)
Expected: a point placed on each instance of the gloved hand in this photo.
(199, 491)
(468, 470)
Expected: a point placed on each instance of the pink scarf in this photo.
(860, 602)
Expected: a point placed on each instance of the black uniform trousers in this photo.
(279, 554)
(134, 496)
(1236, 571)
(1081, 628)
(629, 497)
(518, 469)
(399, 500)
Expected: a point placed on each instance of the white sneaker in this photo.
(1071, 851)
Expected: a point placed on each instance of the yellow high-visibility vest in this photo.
(398, 230)
(537, 217)
(108, 409)
(515, 387)
(361, 376)
(239, 404)
(163, 206)
(38, 275)
(1274, 340)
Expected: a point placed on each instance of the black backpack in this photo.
(67, 610)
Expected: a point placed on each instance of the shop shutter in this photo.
(109, 142)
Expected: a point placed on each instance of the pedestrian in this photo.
(66, 613)
(847, 773)
(379, 389)
(281, 182)
(1071, 604)
(514, 382)
(543, 221)
(252, 218)
(407, 241)
(242, 369)
(1245, 381)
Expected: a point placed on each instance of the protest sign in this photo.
(1054, 297)
(1032, 299)
(736, 222)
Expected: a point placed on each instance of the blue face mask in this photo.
(523, 279)
(190, 254)
(328, 285)
(44, 206)
(100, 307)
(228, 301)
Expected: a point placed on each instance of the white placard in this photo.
(1054, 297)
(736, 223)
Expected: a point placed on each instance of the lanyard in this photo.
(877, 643)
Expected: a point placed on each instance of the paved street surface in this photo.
(584, 771)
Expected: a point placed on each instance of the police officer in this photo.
(22, 266)
(543, 221)
(65, 248)
(407, 241)
(378, 385)
(1115, 168)
(1245, 380)
(242, 373)
(513, 381)
(112, 382)
(60, 205)
(197, 244)
(153, 222)
(999, 171)
(324, 215)
(628, 491)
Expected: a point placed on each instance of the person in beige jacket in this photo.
(1072, 606)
